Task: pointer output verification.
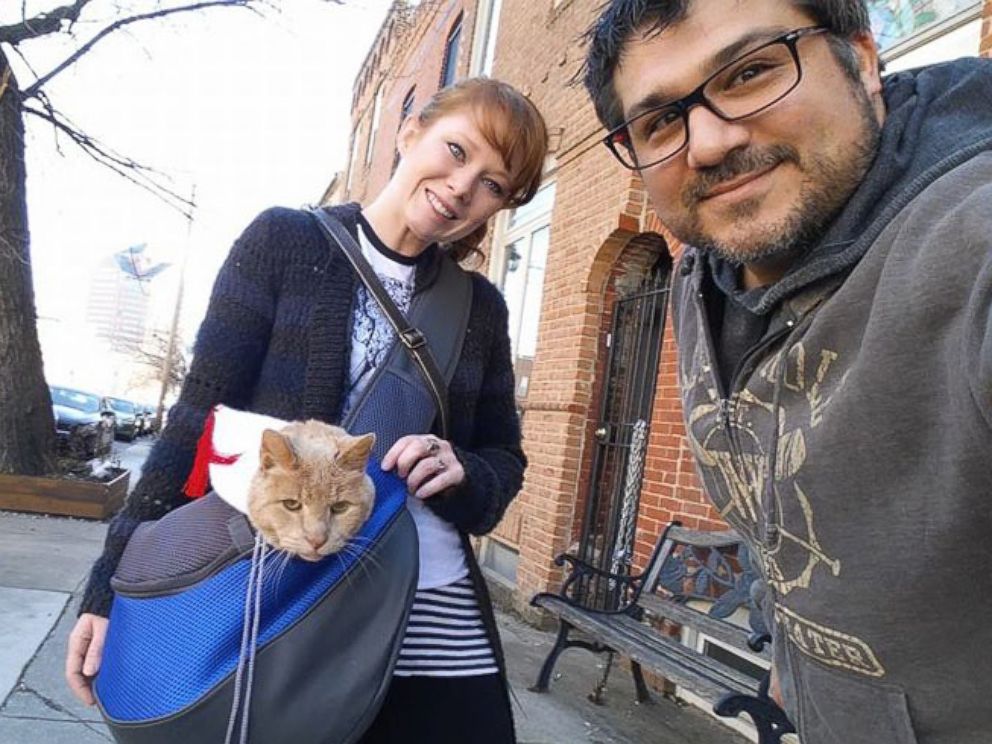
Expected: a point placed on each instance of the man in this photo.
(832, 314)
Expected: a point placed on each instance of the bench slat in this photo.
(711, 626)
(682, 665)
(703, 538)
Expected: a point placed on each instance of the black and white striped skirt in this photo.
(446, 636)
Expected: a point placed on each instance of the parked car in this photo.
(84, 422)
(151, 424)
(128, 418)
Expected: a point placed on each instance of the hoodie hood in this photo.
(936, 118)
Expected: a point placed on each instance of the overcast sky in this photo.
(253, 111)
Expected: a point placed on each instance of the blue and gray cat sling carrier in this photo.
(207, 643)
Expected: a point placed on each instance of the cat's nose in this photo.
(316, 541)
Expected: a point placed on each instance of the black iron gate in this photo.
(608, 527)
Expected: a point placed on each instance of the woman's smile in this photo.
(440, 206)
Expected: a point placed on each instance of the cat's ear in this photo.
(277, 450)
(354, 451)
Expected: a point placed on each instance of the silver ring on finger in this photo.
(433, 445)
(440, 467)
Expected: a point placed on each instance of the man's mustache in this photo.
(736, 164)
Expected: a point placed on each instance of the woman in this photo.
(292, 333)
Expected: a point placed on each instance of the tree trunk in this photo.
(27, 431)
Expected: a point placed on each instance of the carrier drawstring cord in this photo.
(249, 642)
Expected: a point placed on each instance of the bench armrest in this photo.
(580, 569)
(757, 641)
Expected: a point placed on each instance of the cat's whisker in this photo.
(283, 562)
(363, 558)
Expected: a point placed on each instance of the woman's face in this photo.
(450, 179)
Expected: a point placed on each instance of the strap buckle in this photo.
(412, 338)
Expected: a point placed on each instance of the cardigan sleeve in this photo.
(494, 460)
(230, 347)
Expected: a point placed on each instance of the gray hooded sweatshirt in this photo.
(853, 446)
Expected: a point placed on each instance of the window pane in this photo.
(542, 202)
(407, 107)
(489, 50)
(514, 280)
(531, 312)
(894, 21)
(451, 55)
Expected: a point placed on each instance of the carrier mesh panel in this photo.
(190, 641)
(184, 541)
(378, 413)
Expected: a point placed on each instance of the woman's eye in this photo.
(292, 505)
(493, 186)
(340, 507)
(456, 151)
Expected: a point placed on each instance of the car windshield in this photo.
(75, 399)
(125, 406)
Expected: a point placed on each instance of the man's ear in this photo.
(409, 133)
(866, 52)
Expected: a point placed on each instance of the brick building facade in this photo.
(573, 265)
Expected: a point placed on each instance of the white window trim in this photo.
(926, 35)
(353, 160)
(487, 14)
(503, 235)
(376, 113)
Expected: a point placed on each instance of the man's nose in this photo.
(711, 138)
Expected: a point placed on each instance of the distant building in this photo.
(117, 307)
(118, 304)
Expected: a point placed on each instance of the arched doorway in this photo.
(635, 302)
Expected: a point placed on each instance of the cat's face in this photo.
(311, 495)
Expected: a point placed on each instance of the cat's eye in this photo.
(292, 504)
(340, 507)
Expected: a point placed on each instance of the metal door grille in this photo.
(613, 498)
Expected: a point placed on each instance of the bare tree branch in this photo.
(127, 168)
(33, 90)
(42, 24)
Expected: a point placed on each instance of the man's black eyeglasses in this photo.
(742, 88)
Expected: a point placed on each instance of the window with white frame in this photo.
(518, 268)
(376, 112)
(405, 110)
(353, 160)
(901, 24)
(484, 44)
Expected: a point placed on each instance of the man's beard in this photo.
(826, 188)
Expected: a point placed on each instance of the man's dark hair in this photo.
(619, 20)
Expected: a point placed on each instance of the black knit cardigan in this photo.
(276, 340)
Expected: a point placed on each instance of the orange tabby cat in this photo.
(310, 494)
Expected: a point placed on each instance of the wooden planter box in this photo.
(70, 498)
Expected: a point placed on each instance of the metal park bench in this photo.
(604, 612)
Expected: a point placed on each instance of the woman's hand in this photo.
(427, 463)
(82, 659)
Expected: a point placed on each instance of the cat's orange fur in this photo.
(311, 494)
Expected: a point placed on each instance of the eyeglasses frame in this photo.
(698, 98)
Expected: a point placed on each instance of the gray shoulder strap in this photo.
(429, 344)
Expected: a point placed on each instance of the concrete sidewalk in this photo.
(43, 566)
